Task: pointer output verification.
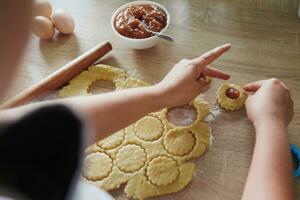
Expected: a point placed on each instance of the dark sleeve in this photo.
(39, 154)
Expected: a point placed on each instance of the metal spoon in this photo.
(161, 35)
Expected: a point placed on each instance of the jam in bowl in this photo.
(133, 23)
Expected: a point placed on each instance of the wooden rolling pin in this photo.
(59, 77)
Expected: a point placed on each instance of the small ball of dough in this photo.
(42, 27)
(63, 21)
(42, 8)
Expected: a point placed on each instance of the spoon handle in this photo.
(165, 37)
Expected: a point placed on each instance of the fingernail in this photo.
(227, 45)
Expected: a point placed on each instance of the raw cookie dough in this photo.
(231, 96)
(162, 171)
(80, 84)
(130, 158)
(112, 141)
(151, 156)
(149, 128)
(93, 162)
(174, 140)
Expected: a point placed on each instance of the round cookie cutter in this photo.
(296, 159)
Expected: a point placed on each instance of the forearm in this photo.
(270, 174)
(110, 112)
(105, 113)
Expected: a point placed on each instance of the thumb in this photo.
(254, 86)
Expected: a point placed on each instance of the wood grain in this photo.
(265, 35)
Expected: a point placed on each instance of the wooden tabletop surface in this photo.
(265, 38)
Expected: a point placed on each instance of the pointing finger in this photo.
(210, 56)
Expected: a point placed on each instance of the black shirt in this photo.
(39, 154)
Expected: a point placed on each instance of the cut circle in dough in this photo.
(228, 102)
(130, 158)
(112, 141)
(162, 171)
(182, 116)
(81, 84)
(149, 128)
(101, 86)
(179, 142)
(92, 164)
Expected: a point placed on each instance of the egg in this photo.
(63, 21)
(42, 27)
(42, 8)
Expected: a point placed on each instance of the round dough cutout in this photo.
(149, 128)
(130, 158)
(96, 166)
(112, 141)
(179, 142)
(162, 171)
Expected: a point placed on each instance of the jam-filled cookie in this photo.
(231, 96)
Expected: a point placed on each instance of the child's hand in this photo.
(185, 81)
(271, 101)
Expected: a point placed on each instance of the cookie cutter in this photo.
(296, 159)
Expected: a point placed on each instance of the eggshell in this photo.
(63, 21)
(42, 8)
(42, 27)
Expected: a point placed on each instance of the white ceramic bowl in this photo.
(138, 43)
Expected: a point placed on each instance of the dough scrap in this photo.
(228, 103)
(149, 128)
(142, 156)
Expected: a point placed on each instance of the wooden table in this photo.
(265, 36)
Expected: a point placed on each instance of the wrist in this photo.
(269, 120)
(159, 96)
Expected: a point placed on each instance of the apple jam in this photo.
(133, 21)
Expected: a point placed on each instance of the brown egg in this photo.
(42, 27)
(42, 8)
(63, 21)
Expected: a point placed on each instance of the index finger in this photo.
(210, 56)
